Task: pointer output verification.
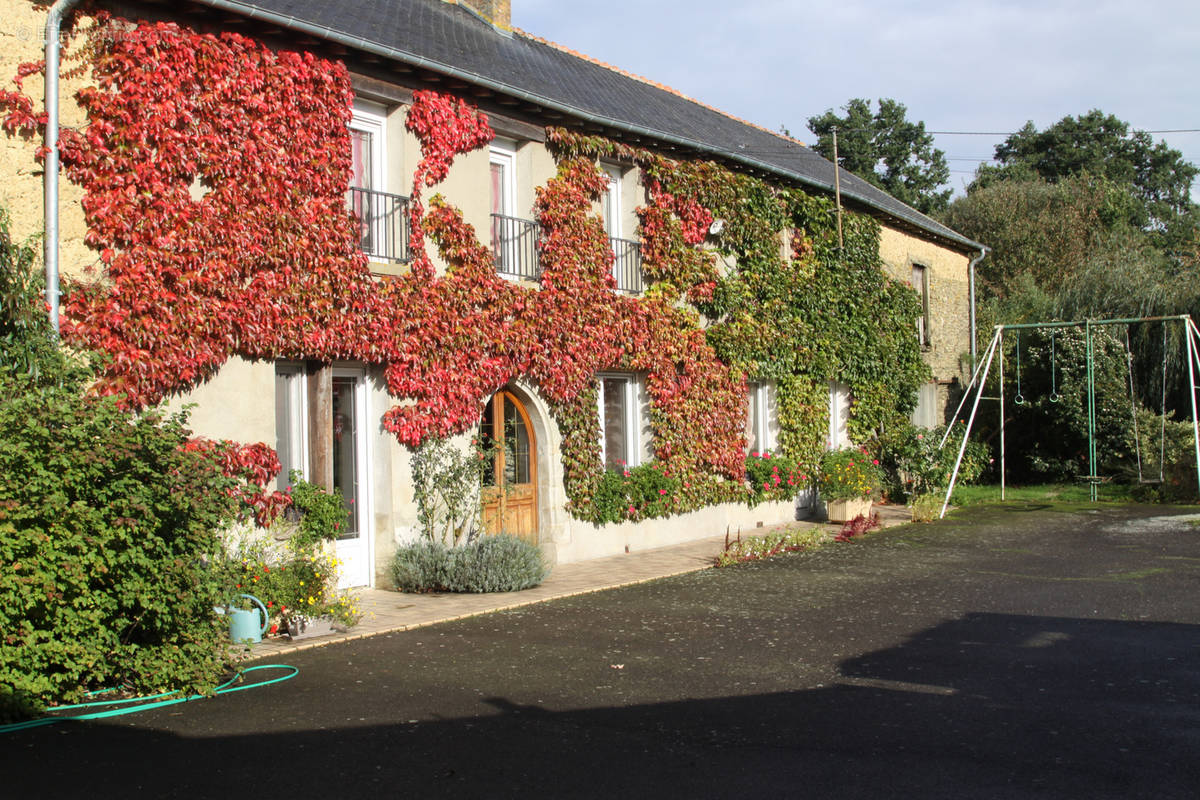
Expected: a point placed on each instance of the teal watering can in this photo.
(244, 624)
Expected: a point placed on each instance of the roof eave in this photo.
(375, 48)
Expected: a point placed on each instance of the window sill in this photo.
(388, 269)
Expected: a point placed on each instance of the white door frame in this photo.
(357, 555)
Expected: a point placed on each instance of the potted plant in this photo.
(848, 479)
(293, 569)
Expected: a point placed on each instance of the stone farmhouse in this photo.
(349, 230)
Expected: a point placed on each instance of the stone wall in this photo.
(949, 304)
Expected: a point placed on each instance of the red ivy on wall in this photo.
(215, 170)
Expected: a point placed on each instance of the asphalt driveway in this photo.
(1008, 652)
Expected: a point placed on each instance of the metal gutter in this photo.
(983, 251)
(323, 32)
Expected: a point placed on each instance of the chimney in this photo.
(497, 12)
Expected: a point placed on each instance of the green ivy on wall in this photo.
(785, 303)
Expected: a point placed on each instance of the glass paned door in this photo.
(350, 475)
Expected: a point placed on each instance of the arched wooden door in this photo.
(510, 486)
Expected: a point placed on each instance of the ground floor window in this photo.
(925, 412)
(761, 417)
(619, 421)
(291, 421)
(839, 414)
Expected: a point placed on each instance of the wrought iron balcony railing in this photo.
(627, 265)
(515, 243)
(383, 223)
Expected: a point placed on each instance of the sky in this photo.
(971, 66)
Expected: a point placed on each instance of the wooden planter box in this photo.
(846, 510)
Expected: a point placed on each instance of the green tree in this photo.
(1047, 232)
(888, 150)
(1156, 176)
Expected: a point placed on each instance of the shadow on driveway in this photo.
(989, 705)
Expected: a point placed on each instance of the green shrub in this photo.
(29, 357)
(774, 476)
(1169, 443)
(489, 564)
(446, 485)
(106, 533)
(642, 492)
(753, 548)
(496, 564)
(422, 566)
(322, 514)
(926, 507)
(289, 578)
(916, 466)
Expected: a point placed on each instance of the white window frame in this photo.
(296, 387)
(357, 554)
(633, 444)
(370, 118)
(760, 423)
(612, 225)
(924, 334)
(504, 153)
(839, 407)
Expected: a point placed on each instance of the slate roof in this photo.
(451, 40)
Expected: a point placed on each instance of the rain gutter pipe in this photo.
(50, 181)
(983, 251)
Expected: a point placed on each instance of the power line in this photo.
(1013, 133)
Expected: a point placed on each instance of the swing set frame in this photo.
(982, 369)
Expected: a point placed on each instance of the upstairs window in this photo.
(627, 254)
(610, 203)
(514, 238)
(382, 217)
(920, 282)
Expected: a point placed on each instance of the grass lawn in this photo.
(1043, 493)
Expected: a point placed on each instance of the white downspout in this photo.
(50, 180)
(971, 311)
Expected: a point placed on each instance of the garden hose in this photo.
(134, 704)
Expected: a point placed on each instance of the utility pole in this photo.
(837, 187)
